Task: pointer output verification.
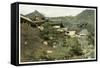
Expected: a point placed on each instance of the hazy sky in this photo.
(50, 11)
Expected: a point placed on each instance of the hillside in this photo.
(86, 17)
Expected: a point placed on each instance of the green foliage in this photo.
(66, 47)
(30, 40)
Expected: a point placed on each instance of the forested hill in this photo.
(87, 17)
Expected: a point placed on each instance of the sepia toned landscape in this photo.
(58, 37)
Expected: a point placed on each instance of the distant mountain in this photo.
(85, 12)
(33, 14)
(87, 16)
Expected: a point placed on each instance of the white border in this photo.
(54, 60)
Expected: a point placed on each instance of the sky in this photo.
(50, 11)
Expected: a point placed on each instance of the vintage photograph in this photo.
(56, 33)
